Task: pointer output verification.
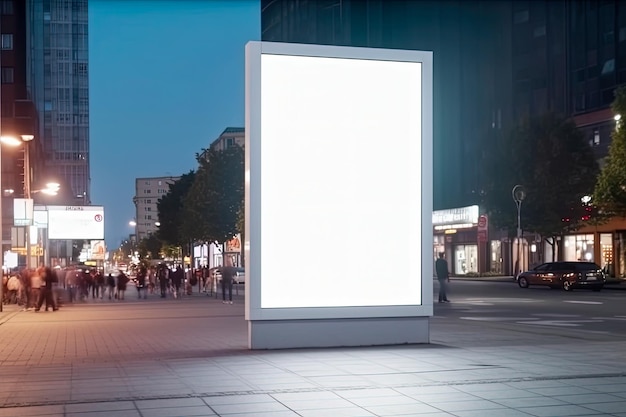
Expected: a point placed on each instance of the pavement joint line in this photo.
(320, 389)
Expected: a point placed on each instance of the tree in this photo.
(610, 190)
(550, 157)
(214, 203)
(150, 247)
(170, 210)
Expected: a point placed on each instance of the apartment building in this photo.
(148, 191)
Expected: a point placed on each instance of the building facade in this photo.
(470, 68)
(58, 80)
(231, 136)
(148, 191)
(495, 64)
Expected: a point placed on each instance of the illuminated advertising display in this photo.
(76, 222)
(338, 156)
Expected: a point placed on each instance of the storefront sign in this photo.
(461, 215)
(483, 228)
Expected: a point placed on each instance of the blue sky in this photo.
(166, 78)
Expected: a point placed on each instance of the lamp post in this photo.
(12, 141)
(518, 194)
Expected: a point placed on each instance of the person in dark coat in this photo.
(122, 281)
(443, 276)
(47, 294)
(228, 273)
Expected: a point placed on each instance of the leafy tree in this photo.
(150, 247)
(610, 191)
(213, 205)
(550, 157)
(170, 209)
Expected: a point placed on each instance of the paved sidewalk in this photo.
(166, 358)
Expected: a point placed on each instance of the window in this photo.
(7, 75)
(609, 66)
(520, 17)
(160, 182)
(6, 7)
(540, 31)
(230, 142)
(148, 191)
(148, 201)
(7, 41)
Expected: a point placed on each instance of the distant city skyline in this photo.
(166, 78)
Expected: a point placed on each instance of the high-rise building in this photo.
(470, 68)
(18, 113)
(58, 80)
(148, 191)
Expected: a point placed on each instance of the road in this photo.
(579, 314)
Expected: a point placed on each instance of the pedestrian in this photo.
(443, 276)
(47, 292)
(162, 272)
(227, 272)
(36, 282)
(177, 279)
(122, 280)
(111, 285)
(141, 282)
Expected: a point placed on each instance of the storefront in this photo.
(456, 233)
(604, 244)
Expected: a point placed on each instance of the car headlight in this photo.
(569, 275)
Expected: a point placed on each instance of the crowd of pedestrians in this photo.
(34, 288)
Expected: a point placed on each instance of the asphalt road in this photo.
(579, 314)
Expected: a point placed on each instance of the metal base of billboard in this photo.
(286, 334)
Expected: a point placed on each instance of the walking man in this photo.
(443, 276)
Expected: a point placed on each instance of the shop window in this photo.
(606, 252)
(465, 259)
(578, 248)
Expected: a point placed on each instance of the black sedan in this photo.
(565, 275)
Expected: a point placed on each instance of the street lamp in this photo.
(12, 141)
(518, 194)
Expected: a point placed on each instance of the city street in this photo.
(581, 314)
(497, 350)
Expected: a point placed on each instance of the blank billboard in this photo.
(76, 222)
(338, 210)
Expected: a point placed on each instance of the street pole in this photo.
(27, 196)
(1, 246)
(518, 194)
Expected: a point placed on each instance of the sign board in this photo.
(76, 222)
(345, 99)
(98, 250)
(22, 212)
(483, 228)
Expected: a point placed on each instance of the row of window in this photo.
(69, 156)
(159, 191)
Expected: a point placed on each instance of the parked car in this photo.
(565, 275)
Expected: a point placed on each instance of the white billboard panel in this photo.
(76, 222)
(338, 182)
